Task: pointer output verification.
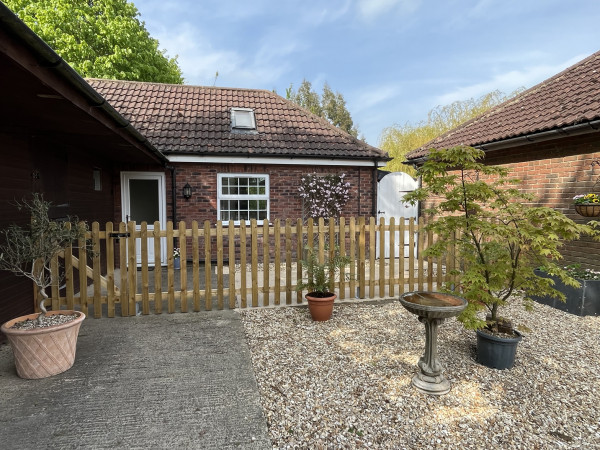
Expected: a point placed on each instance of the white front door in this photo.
(143, 199)
(390, 192)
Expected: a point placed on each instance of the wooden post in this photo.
(254, 262)
(288, 262)
(110, 270)
(361, 258)
(342, 236)
(196, 265)
(132, 266)
(157, 269)
(266, 261)
(231, 263)
(392, 258)
(277, 262)
(170, 271)
(183, 267)
(145, 284)
(219, 265)
(243, 265)
(123, 249)
(382, 257)
(207, 267)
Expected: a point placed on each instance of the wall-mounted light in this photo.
(187, 191)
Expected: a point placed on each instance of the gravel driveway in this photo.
(346, 383)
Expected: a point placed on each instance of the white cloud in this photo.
(507, 82)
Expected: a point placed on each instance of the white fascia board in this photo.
(279, 161)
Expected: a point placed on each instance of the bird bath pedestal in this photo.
(432, 308)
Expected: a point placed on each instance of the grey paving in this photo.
(167, 381)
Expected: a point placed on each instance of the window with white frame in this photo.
(243, 197)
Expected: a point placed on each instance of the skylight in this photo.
(242, 119)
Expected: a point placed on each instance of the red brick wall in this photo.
(284, 181)
(554, 172)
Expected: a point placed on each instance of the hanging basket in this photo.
(588, 210)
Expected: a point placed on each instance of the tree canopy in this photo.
(399, 140)
(329, 105)
(99, 38)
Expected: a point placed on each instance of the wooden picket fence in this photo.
(225, 265)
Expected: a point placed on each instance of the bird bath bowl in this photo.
(432, 308)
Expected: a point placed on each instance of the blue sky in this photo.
(392, 60)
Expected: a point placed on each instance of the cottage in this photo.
(549, 136)
(239, 153)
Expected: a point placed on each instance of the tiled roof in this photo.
(568, 98)
(196, 120)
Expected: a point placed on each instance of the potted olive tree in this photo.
(43, 343)
(320, 280)
(500, 239)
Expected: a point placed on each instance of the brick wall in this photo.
(284, 181)
(554, 172)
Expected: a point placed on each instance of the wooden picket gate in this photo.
(229, 265)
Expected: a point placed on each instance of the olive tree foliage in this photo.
(499, 236)
(99, 38)
(29, 250)
(399, 140)
(329, 105)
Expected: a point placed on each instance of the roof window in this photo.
(242, 119)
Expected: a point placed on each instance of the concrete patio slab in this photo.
(151, 382)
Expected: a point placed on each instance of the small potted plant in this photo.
(44, 343)
(587, 205)
(499, 241)
(320, 279)
(177, 258)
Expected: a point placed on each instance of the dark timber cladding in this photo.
(56, 134)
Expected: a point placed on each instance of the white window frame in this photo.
(243, 111)
(221, 196)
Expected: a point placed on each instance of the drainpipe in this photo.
(173, 193)
(173, 200)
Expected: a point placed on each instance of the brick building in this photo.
(548, 136)
(241, 152)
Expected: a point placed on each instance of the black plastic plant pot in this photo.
(497, 352)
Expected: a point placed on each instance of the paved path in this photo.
(171, 381)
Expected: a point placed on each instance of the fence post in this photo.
(196, 265)
(243, 265)
(144, 249)
(231, 248)
(157, 269)
(392, 258)
(361, 258)
(170, 270)
(183, 266)
(110, 270)
(254, 262)
(207, 268)
(132, 264)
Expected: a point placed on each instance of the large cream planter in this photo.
(43, 352)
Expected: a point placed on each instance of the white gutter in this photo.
(272, 161)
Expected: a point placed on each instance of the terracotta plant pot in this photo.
(320, 308)
(591, 210)
(43, 352)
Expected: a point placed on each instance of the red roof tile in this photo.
(196, 120)
(568, 98)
